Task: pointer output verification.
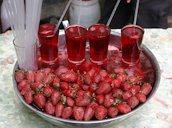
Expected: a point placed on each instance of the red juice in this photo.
(76, 41)
(48, 43)
(99, 35)
(131, 39)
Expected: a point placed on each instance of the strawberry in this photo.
(103, 88)
(47, 91)
(56, 83)
(30, 76)
(67, 112)
(69, 76)
(48, 79)
(109, 100)
(112, 112)
(39, 76)
(87, 79)
(85, 87)
(49, 108)
(75, 86)
(93, 105)
(80, 79)
(80, 93)
(135, 89)
(64, 85)
(89, 113)
(126, 95)
(25, 89)
(61, 70)
(117, 93)
(70, 93)
(59, 109)
(29, 96)
(78, 113)
(119, 70)
(86, 66)
(97, 78)
(115, 83)
(92, 71)
(124, 108)
(133, 80)
(19, 75)
(70, 102)
(39, 100)
(93, 87)
(133, 102)
(46, 71)
(55, 97)
(141, 97)
(83, 101)
(63, 99)
(107, 79)
(22, 84)
(122, 77)
(100, 112)
(37, 86)
(103, 73)
(100, 99)
(146, 88)
(126, 86)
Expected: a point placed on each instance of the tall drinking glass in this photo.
(131, 39)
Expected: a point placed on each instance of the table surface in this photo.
(156, 114)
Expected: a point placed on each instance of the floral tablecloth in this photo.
(156, 114)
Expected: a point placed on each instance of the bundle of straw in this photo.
(24, 17)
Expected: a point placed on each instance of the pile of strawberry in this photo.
(95, 94)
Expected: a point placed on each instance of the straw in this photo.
(136, 12)
(62, 16)
(113, 12)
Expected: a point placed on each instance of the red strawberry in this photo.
(80, 93)
(29, 96)
(37, 86)
(115, 83)
(127, 95)
(100, 112)
(39, 76)
(64, 85)
(85, 87)
(87, 79)
(133, 102)
(69, 76)
(48, 79)
(78, 113)
(61, 70)
(75, 86)
(103, 73)
(122, 77)
(119, 70)
(83, 101)
(126, 86)
(117, 93)
(86, 66)
(97, 78)
(93, 105)
(70, 102)
(124, 108)
(112, 112)
(56, 83)
(93, 87)
(55, 97)
(141, 97)
(92, 71)
(22, 84)
(67, 112)
(107, 79)
(39, 100)
(19, 75)
(70, 93)
(30, 76)
(59, 109)
(89, 113)
(135, 89)
(80, 79)
(47, 91)
(49, 108)
(103, 88)
(100, 99)
(133, 80)
(109, 100)
(46, 71)
(25, 89)
(146, 88)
